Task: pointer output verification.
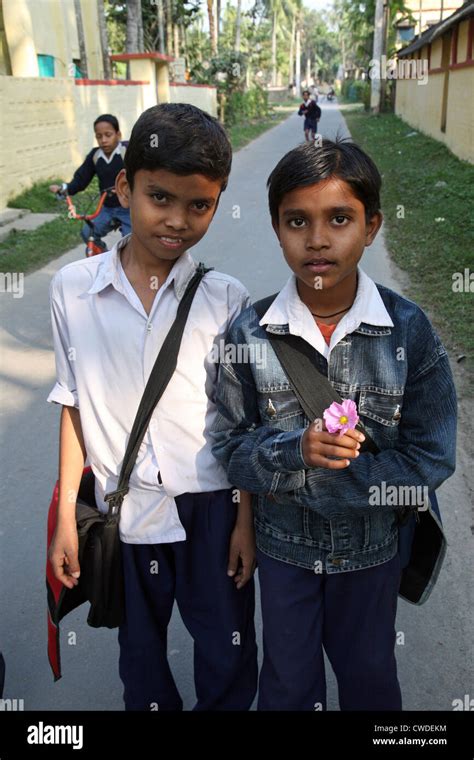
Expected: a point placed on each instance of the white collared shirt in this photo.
(289, 309)
(100, 153)
(105, 347)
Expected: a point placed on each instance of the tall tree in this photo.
(212, 30)
(104, 42)
(81, 39)
(134, 10)
(238, 23)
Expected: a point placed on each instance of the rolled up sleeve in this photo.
(64, 391)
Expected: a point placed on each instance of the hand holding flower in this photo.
(319, 447)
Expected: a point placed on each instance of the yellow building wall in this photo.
(460, 120)
(420, 106)
(48, 27)
(436, 50)
(462, 41)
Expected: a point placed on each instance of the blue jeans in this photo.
(350, 615)
(219, 617)
(109, 219)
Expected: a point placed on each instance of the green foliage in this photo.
(356, 91)
(246, 105)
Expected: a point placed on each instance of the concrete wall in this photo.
(46, 125)
(202, 96)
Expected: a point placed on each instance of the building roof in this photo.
(462, 13)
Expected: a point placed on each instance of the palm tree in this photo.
(81, 38)
(212, 26)
(237, 26)
(104, 43)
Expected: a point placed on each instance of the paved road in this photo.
(434, 660)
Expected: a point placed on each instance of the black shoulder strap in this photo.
(297, 358)
(161, 374)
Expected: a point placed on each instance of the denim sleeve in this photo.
(257, 458)
(424, 455)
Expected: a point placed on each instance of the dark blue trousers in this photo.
(350, 615)
(219, 617)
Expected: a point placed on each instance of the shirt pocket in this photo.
(381, 410)
(280, 408)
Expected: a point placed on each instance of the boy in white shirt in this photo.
(110, 315)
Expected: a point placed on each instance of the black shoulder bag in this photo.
(422, 544)
(100, 561)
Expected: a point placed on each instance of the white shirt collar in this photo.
(109, 158)
(289, 309)
(108, 271)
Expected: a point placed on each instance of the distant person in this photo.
(312, 113)
(106, 162)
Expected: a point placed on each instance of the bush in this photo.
(356, 91)
(245, 105)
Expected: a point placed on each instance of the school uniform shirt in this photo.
(105, 167)
(289, 309)
(105, 347)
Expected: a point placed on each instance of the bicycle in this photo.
(92, 249)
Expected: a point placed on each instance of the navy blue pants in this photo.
(109, 219)
(350, 615)
(219, 617)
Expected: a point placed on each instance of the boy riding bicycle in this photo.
(106, 162)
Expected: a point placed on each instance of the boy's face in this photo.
(170, 213)
(323, 232)
(107, 137)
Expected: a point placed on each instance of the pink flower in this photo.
(341, 417)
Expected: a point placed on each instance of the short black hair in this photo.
(180, 138)
(110, 119)
(311, 163)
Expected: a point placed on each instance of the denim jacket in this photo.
(401, 381)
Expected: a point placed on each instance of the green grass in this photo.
(430, 251)
(24, 251)
(27, 250)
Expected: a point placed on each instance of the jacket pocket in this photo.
(381, 412)
(278, 405)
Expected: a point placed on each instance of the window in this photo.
(406, 33)
(46, 65)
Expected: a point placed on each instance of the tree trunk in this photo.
(212, 32)
(141, 42)
(274, 48)
(176, 40)
(376, 56)
(298, 60)
(169, 28)
(237, 26)
(291, 72)
(160, 18)
(81, 39)
(218, 22)
(104, 43)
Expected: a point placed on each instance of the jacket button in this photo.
(397, 414)
(337, 561)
